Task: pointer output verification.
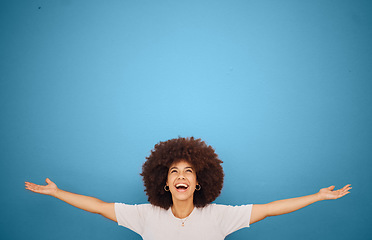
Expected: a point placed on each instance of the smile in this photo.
(181, 187)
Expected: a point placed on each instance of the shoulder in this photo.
(138, 208)
(221, 210)
(217, 207)
(146, 206)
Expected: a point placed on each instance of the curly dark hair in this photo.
(209, 172)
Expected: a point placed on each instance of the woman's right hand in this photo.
(49, 189)
(86, 203)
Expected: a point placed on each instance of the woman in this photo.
(182, 178)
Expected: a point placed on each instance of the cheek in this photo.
(169, 179)
(193, 179)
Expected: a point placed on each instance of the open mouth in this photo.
(182, 187)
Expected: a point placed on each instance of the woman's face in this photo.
(182, 181)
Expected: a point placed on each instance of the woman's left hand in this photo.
(328, 193)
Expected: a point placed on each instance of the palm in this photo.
(330, 193)
(48, 189)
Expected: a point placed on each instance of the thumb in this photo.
(331, 188)
(47, 180)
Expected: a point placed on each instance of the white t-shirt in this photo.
(213, 222)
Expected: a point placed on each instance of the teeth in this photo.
(181, 185)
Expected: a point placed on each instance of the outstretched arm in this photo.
(261, 211)
(86, 203)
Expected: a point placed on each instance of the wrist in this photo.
(319, 197)
(55, 193)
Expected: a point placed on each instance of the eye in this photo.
(173, 171)
(189, 170)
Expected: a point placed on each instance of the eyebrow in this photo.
(177, 168)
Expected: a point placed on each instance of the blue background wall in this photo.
(281, 90)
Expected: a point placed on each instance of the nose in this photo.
(181, 176)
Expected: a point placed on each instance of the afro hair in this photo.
(201, 156)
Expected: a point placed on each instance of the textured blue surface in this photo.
(281, 90)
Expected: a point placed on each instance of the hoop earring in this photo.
(166, 188)
(197, 187)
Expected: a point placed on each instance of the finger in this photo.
(28, 184)
(31, 184)
(36, 189)
(331, 188)
(346, 189)
(343, 194)
(32, 188)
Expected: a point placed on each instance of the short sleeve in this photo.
(131, 216)
(232, 218)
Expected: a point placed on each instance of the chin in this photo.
(183, 198)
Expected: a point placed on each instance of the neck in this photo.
(182, 209)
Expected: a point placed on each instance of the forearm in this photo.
(86, 203)
(290, 205)
(261, 211)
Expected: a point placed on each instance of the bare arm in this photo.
(86, 203)
(261, 211)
